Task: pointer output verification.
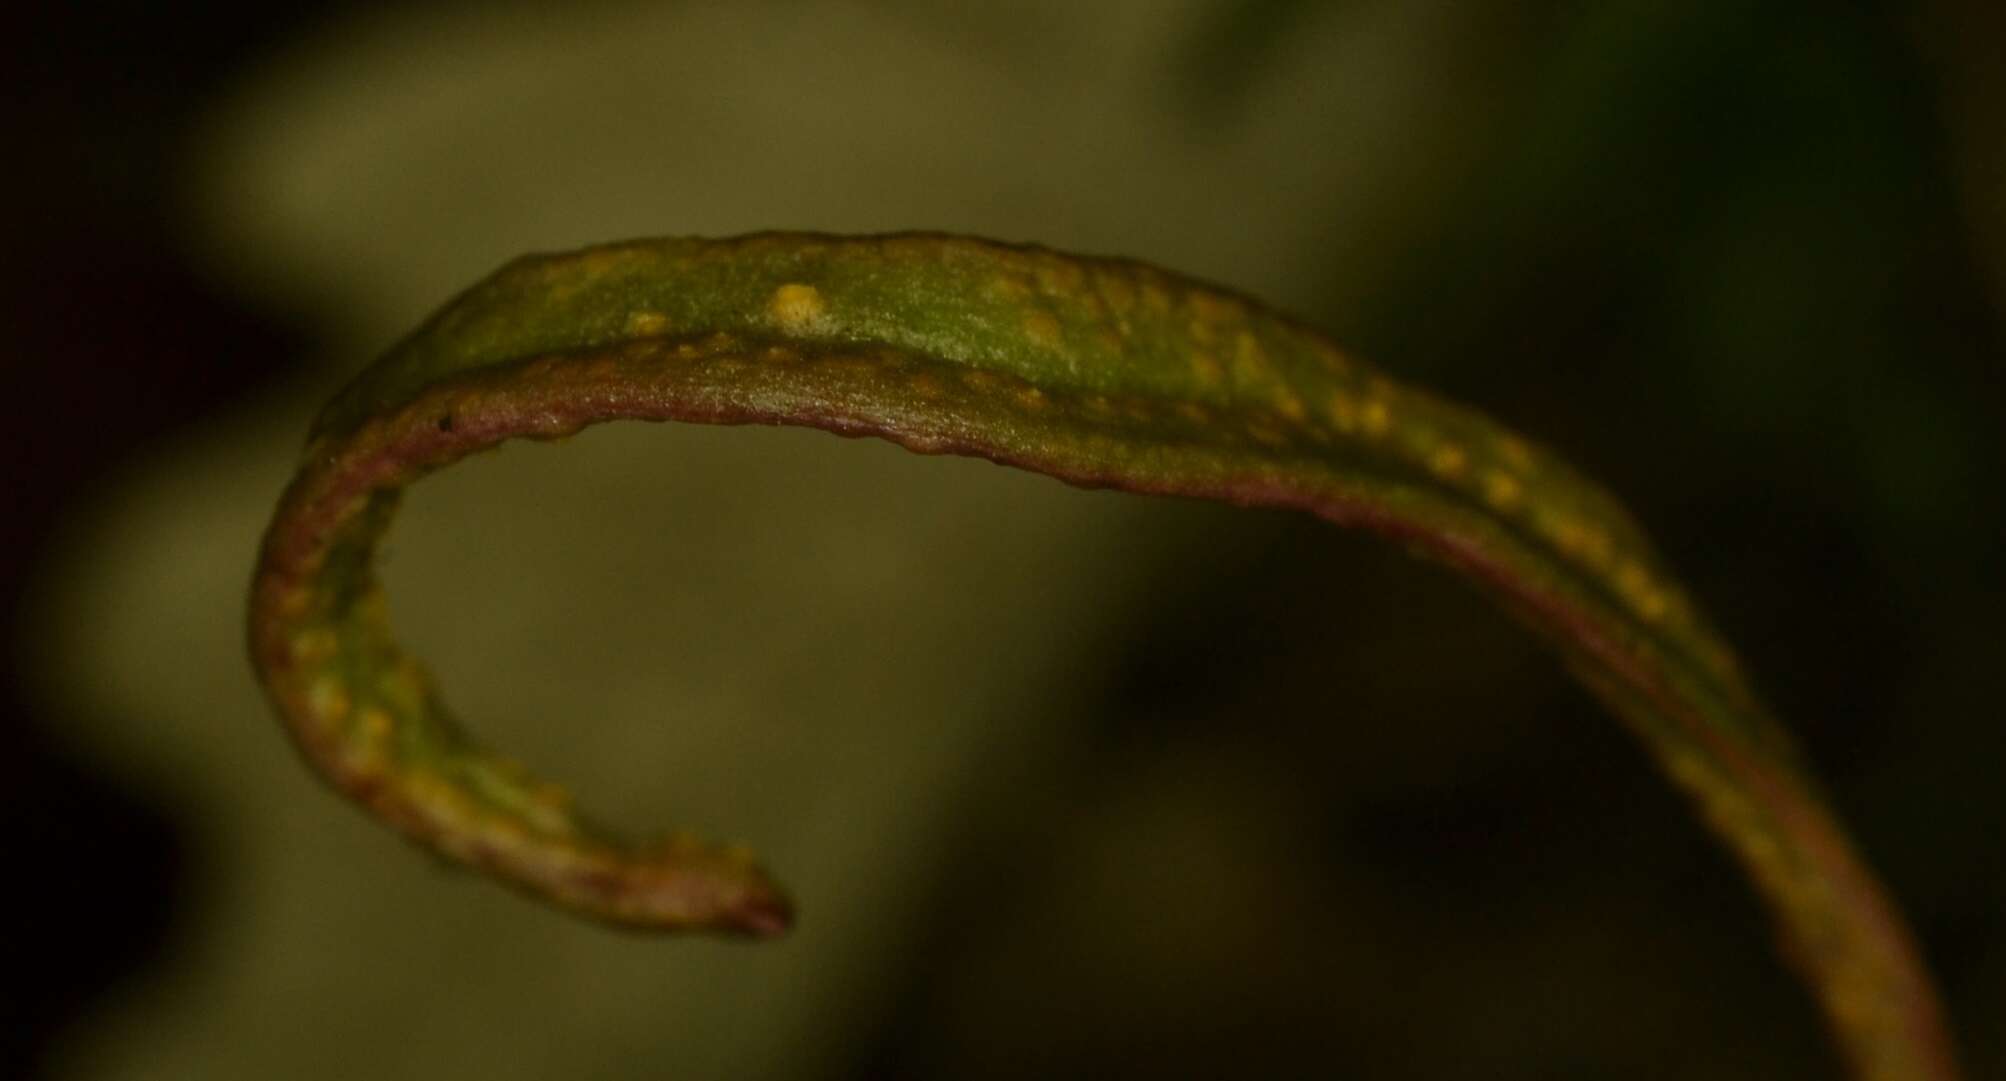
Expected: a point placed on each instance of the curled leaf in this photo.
(1102, 373)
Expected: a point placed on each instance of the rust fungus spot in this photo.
(373, 724)
(1515, 453)
(1374, 417)
(1501, 489)
(314, 646)
(646, 322)
(797, 307)
(1595, 546)
(295, 602)
(1008, 287)
(1290, 406)
(1266, 433)
(1250, 361)
(1117, 291)
(1643, 594)
(1331, 357)
(1212, 310)
(1205, 369)
(328, 700)
(1343, 413)
(1060, 277)
(1042, 329)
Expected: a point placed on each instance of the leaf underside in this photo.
(1102, 373)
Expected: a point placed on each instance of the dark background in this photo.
(1747, 265)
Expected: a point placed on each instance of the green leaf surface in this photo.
(1102, 373)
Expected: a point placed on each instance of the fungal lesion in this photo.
(1502, 490)
(1447, 461)
(1042, 329)
(797, 307)
(647, 323)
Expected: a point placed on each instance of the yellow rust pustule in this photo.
(797, 307)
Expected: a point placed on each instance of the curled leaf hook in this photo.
(1102, 373)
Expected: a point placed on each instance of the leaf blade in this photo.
(1103, 373)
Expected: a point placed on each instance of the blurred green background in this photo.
(1067, 784)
